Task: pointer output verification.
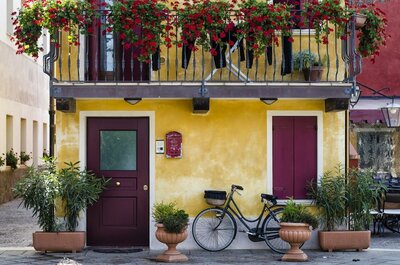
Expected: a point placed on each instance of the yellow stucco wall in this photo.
(227, 145)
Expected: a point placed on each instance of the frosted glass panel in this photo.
(118, 150)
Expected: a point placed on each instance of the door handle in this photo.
(118, 183)
(145, 187)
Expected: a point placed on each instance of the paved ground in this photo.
(16, 237)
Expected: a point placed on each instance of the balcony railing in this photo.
(102, 59)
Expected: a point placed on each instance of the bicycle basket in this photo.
(215, 197)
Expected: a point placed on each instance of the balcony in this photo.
(101, 67)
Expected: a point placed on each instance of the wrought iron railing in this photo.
(102, 59)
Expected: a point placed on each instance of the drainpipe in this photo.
(48, 68)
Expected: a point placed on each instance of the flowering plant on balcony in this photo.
(260, 22)
(141, 24)
(373, 34)
(70, 16)
(322, 15)
(203, 21)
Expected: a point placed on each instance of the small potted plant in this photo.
(308, 62)
(295, 229)
(12, 159)
(24, 157)
(171, 225)
(340, 198)
(42, 187)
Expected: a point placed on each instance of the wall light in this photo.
(268, 101)
(132, 101)
(391, 113)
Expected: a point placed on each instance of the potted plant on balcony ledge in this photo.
(338, 198)
(308, 63)
(40, 190)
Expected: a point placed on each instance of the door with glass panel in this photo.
(118, 148)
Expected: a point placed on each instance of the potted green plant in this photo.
(42, 187)
(171, 225)
(295, 229)
(339, 197)
(310, 64)
(24, 157)
(11, 159)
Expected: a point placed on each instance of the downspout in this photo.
(48, 68)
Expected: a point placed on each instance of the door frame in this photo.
(83, 115)
(320, 142)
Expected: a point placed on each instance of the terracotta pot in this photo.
(339, 240)
(295, 234)
(171, 240)
(360, 20)
(314, 74)
(59, 242)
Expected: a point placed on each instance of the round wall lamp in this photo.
(132, 101)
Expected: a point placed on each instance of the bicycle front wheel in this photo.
(214, 230)
(271, 228)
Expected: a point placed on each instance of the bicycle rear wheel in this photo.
(271, 232)
(214, 230)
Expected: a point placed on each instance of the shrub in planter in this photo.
(345, 196)
(12, 159)
(2, 161)
(24, 157)
(39, 191)
(309, 64)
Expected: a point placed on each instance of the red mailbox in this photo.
(173, 145)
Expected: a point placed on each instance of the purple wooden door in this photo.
(118, 148)
(294, 155)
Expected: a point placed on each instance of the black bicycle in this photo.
(215, 228)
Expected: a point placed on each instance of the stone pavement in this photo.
(17, 225)
(372, 256)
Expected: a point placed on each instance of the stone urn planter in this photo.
(171, 240)
(295, 234)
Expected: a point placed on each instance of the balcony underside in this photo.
(193, 89)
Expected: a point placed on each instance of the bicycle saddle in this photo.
(237, 187)
(269, 197)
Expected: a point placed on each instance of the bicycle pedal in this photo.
(250, 233)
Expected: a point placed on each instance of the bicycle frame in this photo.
(239, 215)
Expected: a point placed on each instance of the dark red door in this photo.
(294, 155)
(118, 148)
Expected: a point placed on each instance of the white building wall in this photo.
(24, 92)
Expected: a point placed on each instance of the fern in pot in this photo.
(171, 225)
